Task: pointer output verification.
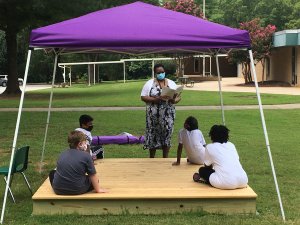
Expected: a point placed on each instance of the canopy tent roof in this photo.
(138, 28)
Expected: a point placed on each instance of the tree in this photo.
(232, 13)
(294, 22)
(184, 6)
(18, 15)
(277, 12)
(261, 42)
(187, 7)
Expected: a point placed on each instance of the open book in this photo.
(166, 91)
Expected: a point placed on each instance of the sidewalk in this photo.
(230, 85)
(178, 108)
(30, 87)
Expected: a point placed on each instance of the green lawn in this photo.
(128, 94)
(246, 133)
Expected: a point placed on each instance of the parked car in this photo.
(3, 80)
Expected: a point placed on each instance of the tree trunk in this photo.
(11, 42)
(249, 72)
(263, 70)
(246, 72)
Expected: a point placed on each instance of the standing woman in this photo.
(160, 112)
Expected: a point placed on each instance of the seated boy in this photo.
(86, 126)
(191, 138)
(70, 177)
(222, 168)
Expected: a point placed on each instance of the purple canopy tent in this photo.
(137, 29)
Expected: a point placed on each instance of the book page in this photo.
(179, 89)
(166, 91)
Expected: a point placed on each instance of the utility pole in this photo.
(203, 8)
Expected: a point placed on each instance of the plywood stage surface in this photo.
(148, 186)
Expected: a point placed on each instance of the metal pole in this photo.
(203, 65)
(124, 71)
(203, 8)
(220, 90)
(266, 134)
(49, 113)
(98, 73)
(89, 72)
(64, 74)
(152, 68)
(15, 136)
(70, 76)
(94, 74)
(209, 65)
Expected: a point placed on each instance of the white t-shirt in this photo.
(193, 142)
(147, 87)
(229, 173)
(88, 135)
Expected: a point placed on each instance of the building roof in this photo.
(286, 38)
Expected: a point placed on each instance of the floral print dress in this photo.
(159, 121)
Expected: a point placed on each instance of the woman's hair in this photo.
(75, 137)
(158, 65)
(84, 119)
(219, 133)
(192, 123)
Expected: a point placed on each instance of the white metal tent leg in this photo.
(203, 65)
(89, 75)
(210, 66)
(49, 112)
(266, 134)
(220, 90)
(94, 74)
(64, 75)
(152, 68)
(70, 76)
(124, 71)
(15, 135)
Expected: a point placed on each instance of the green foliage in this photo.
(232, 13)
(139, 69)
(294, 22)
(3, 61)
(282, 13)
(261, 43)
(187, 7)
(277, 12)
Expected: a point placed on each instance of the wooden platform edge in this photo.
(143, 206)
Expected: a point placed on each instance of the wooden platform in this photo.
(149, 186)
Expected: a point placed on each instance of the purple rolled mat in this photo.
(117, 139)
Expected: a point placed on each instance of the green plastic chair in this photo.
(20, 164)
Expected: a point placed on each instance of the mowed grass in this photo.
(128, 94)
(246, 133)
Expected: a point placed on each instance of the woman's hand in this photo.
(165, 98)
(175, 100)
(101, 190)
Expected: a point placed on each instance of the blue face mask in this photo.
(161, 76)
